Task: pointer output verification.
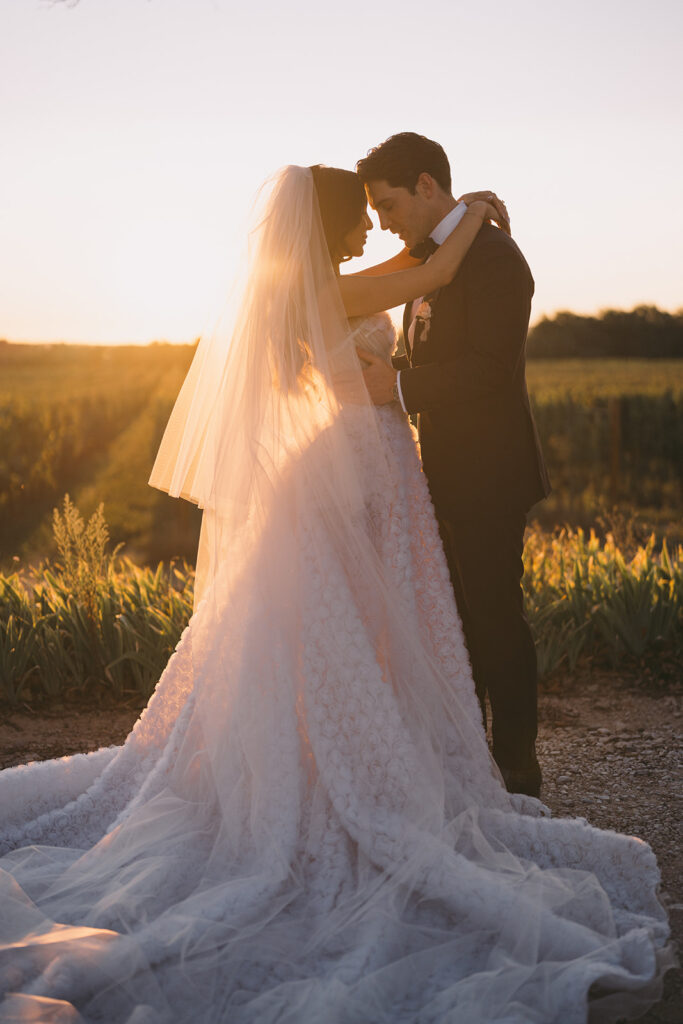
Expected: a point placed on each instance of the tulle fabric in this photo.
(306, 824)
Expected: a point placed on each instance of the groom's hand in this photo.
(378, 376)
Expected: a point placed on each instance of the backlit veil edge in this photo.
(259, 388)
(258, 440)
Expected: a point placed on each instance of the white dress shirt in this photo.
(440, 233)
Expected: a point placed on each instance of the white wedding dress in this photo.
(259, 851)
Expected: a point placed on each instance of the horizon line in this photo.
(165, 341)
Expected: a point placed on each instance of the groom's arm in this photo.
(499, 289)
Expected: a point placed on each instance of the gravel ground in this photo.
(610, 752)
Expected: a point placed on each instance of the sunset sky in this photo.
(134, 134)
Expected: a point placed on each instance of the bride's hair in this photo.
(342, 202)
(401, 160)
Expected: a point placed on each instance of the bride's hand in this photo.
(500, 215)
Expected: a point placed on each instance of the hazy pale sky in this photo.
(134, 134)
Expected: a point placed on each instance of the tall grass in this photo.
(585, 598)
(94, 626)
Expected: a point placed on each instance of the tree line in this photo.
(644, 333)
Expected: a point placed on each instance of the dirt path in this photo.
(613, 755)
(610, 752)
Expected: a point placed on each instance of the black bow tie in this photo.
(424, 249)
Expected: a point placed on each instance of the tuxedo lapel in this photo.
(478, 452)
(406, 327)
(408, 319)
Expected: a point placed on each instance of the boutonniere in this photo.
(423, 318)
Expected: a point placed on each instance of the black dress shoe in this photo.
(527, 781)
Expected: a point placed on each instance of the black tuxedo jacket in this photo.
(466, 379)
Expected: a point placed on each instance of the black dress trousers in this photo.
(485, 560)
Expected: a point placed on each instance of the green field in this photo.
(612, 434)
(587, 379)
(87, 420)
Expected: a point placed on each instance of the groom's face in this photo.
(410, 215)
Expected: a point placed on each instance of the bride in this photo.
(305, 824)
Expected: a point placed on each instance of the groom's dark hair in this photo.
(402, 159)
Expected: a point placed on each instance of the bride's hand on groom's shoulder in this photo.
(501, 218)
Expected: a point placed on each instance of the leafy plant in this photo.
(92, 624)
(585, 598)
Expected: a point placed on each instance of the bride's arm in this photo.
(401, 261)
(404, 261)
(365, 295)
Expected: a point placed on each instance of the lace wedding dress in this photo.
(332, 849)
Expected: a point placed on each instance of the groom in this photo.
(464, 374)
